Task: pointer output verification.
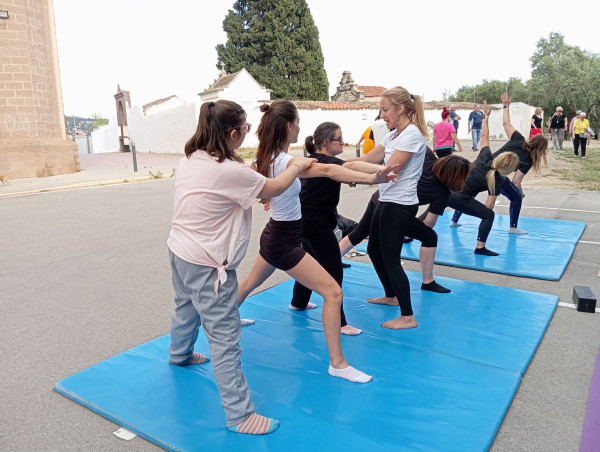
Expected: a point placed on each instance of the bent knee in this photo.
(334, 294)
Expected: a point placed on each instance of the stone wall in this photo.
(32, 131)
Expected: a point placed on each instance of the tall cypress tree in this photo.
(276, 41)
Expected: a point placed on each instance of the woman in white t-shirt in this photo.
(280, 242)
(210, 230)
(394, 217)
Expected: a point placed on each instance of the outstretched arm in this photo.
(345, 175)
(485, 127)
(490, 202)
(363, 167)
(277, 185)
(374, 156)
(508, 127)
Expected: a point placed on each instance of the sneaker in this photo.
(583, 157)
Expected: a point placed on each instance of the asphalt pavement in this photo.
(86, 277)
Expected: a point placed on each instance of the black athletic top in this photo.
(320, 196)
(557, 122)
(429, 188)
(515, 144)
(476, 182)
(537, 121)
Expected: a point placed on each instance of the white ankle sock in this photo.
(246, 322)
(350, 374)
(517, 231)
(308, 306)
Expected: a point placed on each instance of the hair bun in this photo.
(265, 108)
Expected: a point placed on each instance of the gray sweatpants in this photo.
(197, 304)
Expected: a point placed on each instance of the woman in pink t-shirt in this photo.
(280, 242)
(444, 134)
(210, 230)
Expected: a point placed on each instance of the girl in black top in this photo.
(487, 174)
(531, 154)
(319, 198)
(433, 189)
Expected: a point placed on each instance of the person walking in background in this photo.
(379, 129)
(474, 124)
(369, 140)
(454, 119)
(571, 124)
(558, 127)
(536, 123)
(210, 230)
(444, 136)
(581, 134)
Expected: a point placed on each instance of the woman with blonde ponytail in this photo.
(488, 174)
(395, 216)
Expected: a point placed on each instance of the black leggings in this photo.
(579, 140)
(321, 244)
(391, 222)
(471, 206)
(423, 233)
(361, 231)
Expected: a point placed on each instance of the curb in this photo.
(86, 184)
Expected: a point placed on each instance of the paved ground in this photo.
(86, 277)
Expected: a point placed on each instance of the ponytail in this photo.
(413, 107)
(215, 123)
(502, 165)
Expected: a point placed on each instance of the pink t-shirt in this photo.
(212, 214)
(443, 134)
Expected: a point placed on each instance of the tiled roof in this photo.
(146, 107)
(372, 91)
(223, 82)
(439, 105)
(332, 105)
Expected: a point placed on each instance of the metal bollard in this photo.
(134, 156)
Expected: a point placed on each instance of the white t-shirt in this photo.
(286, 206)
(404, 190)
(212, 214)
(380, 130)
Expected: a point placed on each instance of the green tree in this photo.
(565, 75)
(491, 90)
(278, 43)
(98, 120)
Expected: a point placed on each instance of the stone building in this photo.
(33, 140)
(350, 92)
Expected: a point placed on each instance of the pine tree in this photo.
(276, 41)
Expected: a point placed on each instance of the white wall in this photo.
(166, 130)
(163, 130)
(106, 138)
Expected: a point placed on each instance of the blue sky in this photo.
(157, 49)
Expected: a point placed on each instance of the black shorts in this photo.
(280, 244)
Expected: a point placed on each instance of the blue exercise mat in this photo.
(445, 385)
(543, 253)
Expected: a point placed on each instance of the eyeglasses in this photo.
(339, 140)
(248, 126)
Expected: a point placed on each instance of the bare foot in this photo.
(401, 323)
(393, 301)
